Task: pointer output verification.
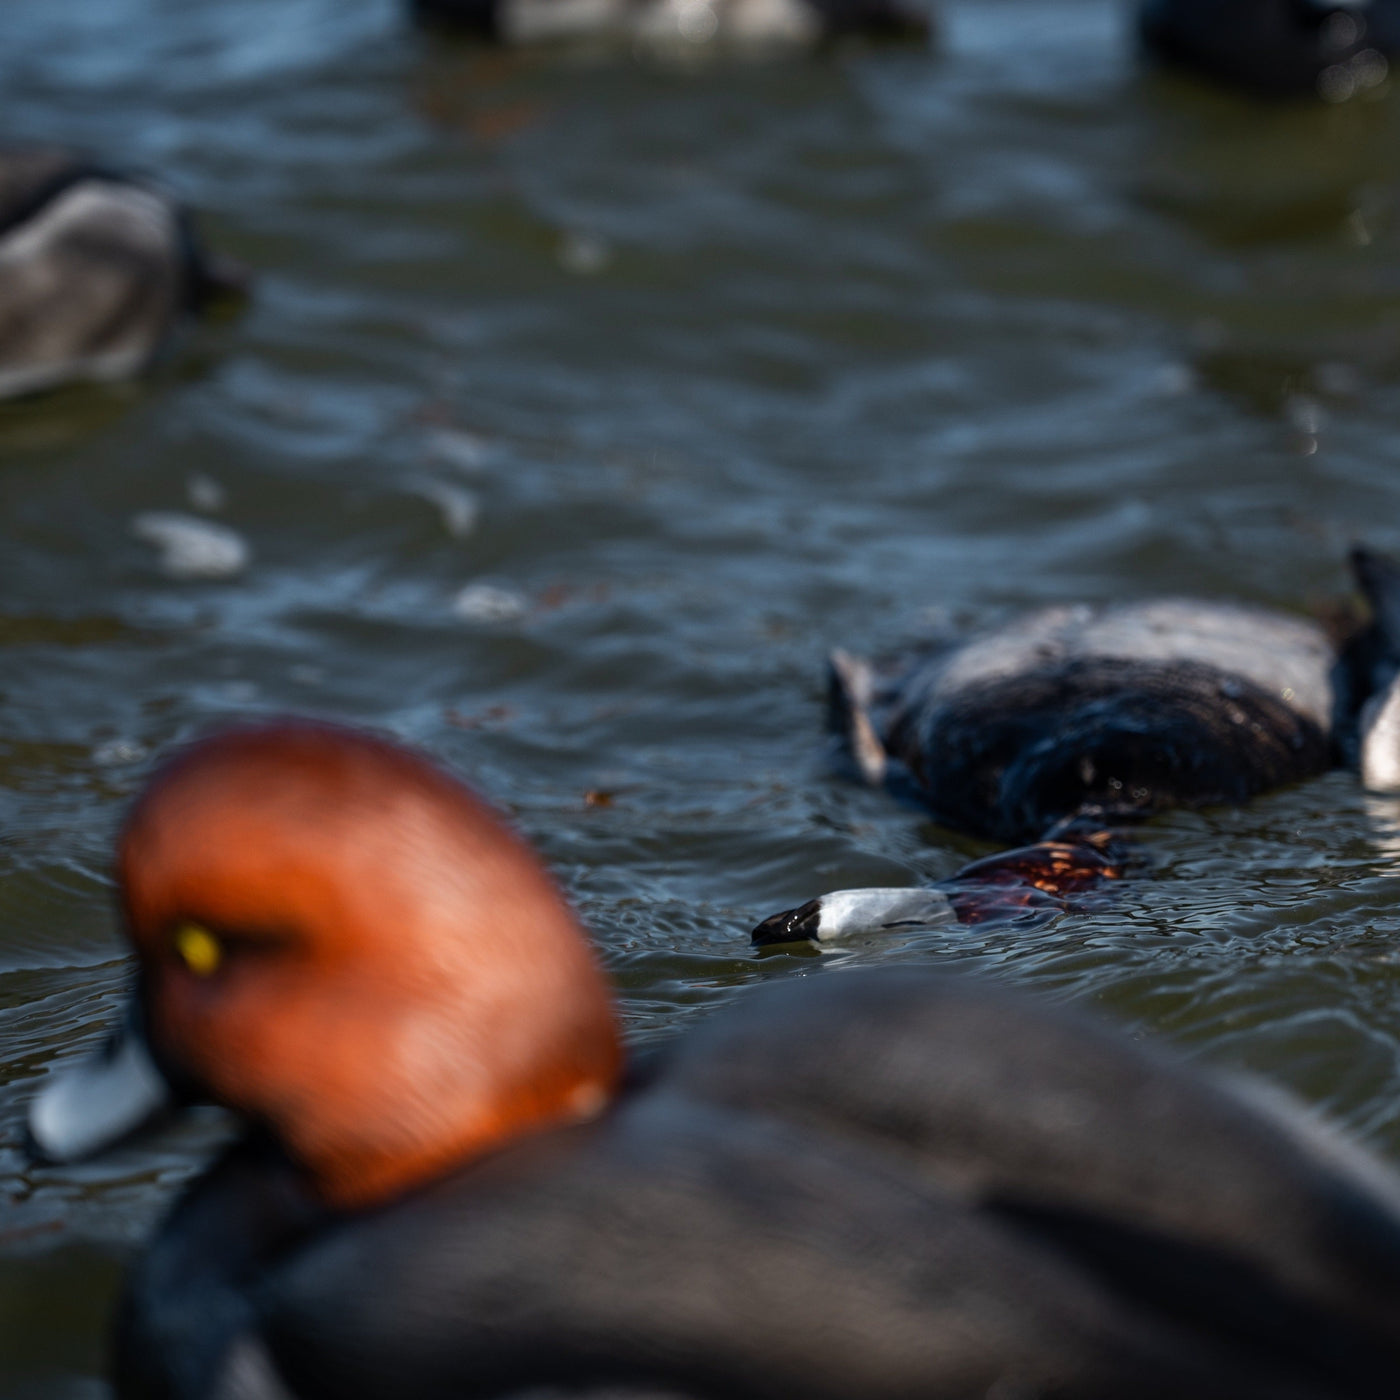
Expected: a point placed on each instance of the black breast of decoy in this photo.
(479, 17)
(886, 1185)
(1274, 47)
(1116, 712)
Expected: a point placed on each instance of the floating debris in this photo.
(1305, 414)
(457, 448)
(117, 752)
(205, 493)
(191, 548)
(1172, 380)
(459, 507)
(493, 714)
(484, 602)
(584, 254)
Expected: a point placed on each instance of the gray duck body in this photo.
(687, 23)
(1121, 710)
(960, 1194)
(97, 270)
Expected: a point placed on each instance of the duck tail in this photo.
(850, 689)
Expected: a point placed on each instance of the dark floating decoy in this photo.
(871, 1186)
(97, 269)
(1070, 723)
(1279, 48)
(685, 22)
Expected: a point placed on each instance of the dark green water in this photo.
(731, 362)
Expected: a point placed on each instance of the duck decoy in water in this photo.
(1280, 48)
(96, 270)
(1072, 721)
(738, 22)
(881, 1185)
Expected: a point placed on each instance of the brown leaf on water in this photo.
(559, 595)
(497, 123)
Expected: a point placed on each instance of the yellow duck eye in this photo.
(199, 950)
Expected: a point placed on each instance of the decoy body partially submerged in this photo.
(872, 1186)
(1280, 48)
(689, 22)
(1073, 721)
(96, 270)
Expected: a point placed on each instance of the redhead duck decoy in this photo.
(1280, 48)
(881, 1184)
(96, 270)
(688, 22)
(1068, 722)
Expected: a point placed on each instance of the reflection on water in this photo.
(587, 402)
(1384, 816)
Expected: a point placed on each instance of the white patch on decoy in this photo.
(1380, 740)
(191, 548)
(143, 214)
(1276, 654)
(663, 24)
(844, 913)
(768, 21)
(551, 21)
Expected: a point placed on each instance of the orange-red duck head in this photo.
(339, 941)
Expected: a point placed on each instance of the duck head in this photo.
(340, 942)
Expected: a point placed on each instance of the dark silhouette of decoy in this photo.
(864, 1186)
(1279, 48)
(97, 270)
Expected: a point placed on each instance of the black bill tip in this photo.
(798, 925)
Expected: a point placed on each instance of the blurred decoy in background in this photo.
(863, 1186)
(1063, 726)
(97, 269)
(1279, 48)
(687, 22)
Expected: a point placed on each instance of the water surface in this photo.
(587, 401)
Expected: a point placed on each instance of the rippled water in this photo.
(587, 401)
